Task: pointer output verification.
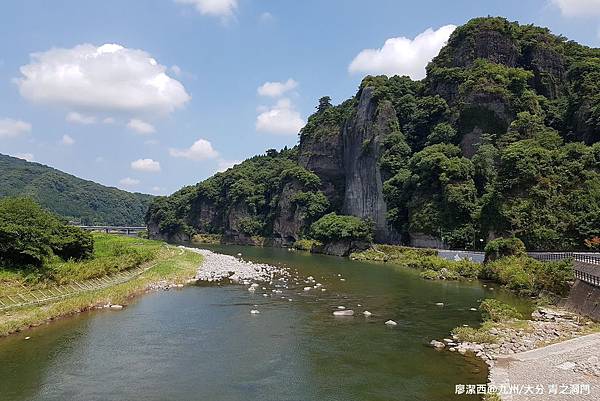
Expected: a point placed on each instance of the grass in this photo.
(112, 254)
(432, 266)
(167, 263)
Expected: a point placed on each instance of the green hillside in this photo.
(502, 138)
(71, 197)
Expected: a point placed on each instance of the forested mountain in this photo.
(70, 197)
(501, 138)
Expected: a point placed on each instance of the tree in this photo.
(324, 104)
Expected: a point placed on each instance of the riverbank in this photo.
(499, 342)
(162, 267)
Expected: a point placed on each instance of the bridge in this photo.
(115, 229)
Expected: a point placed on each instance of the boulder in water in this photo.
(347, 312)
(391, 323)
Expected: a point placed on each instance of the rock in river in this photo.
(347, 312)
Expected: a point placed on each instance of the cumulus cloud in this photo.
(10, 128)
(140, 126)
(25, 156)
(401, 55)
(282, 118)
(200, 150)
(129, 182)
(67, 140)
(276, 89)
(78, 118)
(578, 8)
(146, 165)
(108, 120)
(223, 164)
(215, 8)
(104, 78)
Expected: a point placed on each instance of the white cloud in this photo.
(176, 70)
(105, 78)
(280, 119)
(223, 164)
(158, 190)
(276, 89)
(78, 118)
(266, 17)
(108, 120)
(129, 182)
(140, 126)
(67, 140)
(10, 128)
(578, 8)
(146, 165)
(200, 150)
(215, 8)
(25, 156)
(403, 56)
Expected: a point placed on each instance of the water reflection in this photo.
(201, 343)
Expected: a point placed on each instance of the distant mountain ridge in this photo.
(71, 197)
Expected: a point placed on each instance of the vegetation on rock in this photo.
(333, 227)
(502, 138)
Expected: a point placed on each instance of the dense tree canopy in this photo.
(30, 236)
(70, 197)
(502, 138)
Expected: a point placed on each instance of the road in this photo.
(554, 370)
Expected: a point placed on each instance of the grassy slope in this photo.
(168, 263)
(69, 196)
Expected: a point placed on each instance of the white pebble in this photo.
(367, 313)
(391, 323)
(307, 288)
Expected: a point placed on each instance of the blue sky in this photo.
(152, 95)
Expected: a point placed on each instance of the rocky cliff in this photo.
(496, 131)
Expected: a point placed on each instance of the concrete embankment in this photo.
(584, 299)
(565, 371)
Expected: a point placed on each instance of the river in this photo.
(201, 343)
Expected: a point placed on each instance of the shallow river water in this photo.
(202, 343)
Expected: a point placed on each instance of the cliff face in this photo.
(362, 136)
(431, 161)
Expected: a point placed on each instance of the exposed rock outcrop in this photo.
(362, 136)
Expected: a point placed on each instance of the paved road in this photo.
(553, 369)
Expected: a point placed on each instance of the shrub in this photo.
(529, 277)
(72, 243)
(501, 247)
(30, 236)
(249, 226)
(333, 227)
(305, 244)
(498, 311)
